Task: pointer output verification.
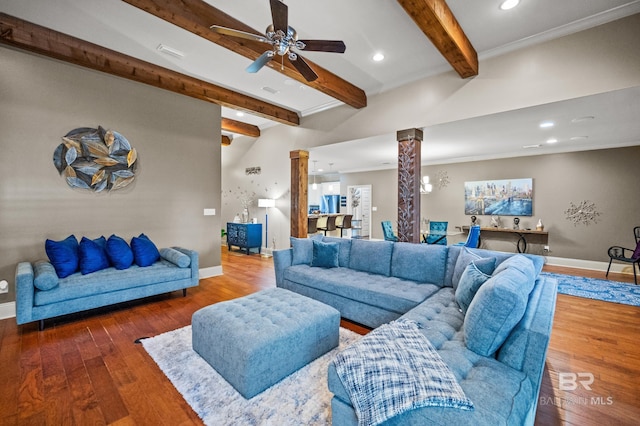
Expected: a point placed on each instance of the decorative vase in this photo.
(245, 216)
(539, 226)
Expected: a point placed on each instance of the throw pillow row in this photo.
(67, 256)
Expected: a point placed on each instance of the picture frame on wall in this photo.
(506, 197)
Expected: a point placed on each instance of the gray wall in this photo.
(603, 177)
(178, 144)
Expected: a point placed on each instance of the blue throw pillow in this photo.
(119, 253)
(472, 278)
(63, 255)
(495, 310)
(145, 253)
(176, 257)
(45, 277)
(325, 255)
(92, 256)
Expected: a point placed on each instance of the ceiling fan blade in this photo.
(280, 15)
(304, 69)
(336, 46)
(240, 34)
(260, 62)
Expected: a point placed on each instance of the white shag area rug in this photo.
(303, 398)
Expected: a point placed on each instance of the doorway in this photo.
(359, 205)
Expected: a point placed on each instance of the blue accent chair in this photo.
(473, 239)
(387, 230)
(437, 233)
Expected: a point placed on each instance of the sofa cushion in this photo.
(303, 249)
(63, 255)
(176, 257)
(109, 280)
(45, 277)
(92, 254)
(519, 262)
(390, 293)
(119, 253)
(471, 280)
(145, 252)
(371, 256)
(345, 249)
(495, 310)
(465, 257)
(423, 263)
(325, 255)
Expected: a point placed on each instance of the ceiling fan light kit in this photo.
(284, 40)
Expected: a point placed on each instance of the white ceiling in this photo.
(366, 27)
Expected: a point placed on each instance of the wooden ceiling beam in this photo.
(438, 23)
(197, 16)
(28, 36)
(239, 127)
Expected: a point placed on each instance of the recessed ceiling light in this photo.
(321, 170)
(239, 114)
(552, 140)
(378, 57)
(547, 124)
(270, 90)
(580, 138)
(170, 51)
(537, 145)
(509, 4)
(582, 119)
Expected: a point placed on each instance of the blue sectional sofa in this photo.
(78, 292)
(494, 338)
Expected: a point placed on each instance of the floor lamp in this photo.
(266, 203)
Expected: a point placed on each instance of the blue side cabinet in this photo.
(244, 235)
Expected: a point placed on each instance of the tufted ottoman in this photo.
(257, 340)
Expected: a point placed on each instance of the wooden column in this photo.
(299, 192)
(409, 142)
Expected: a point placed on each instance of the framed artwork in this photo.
(507, 197)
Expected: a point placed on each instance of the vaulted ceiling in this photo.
(419, 38)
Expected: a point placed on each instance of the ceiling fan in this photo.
(283, 40)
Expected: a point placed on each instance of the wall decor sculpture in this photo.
(584, 213)
(96, 159)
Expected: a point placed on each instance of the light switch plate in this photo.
(209, 212)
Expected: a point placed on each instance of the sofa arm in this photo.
(24, 292)
(195, 268)
(282, 259)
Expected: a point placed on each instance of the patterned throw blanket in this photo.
(394, 369)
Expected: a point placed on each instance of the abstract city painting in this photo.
(508, 197)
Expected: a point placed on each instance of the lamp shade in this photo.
(266, 202)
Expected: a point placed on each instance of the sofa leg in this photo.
(184, 292)
(41, 325)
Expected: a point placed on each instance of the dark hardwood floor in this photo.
(86, 369)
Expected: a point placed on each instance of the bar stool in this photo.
(346, 223)
(312, 225)
(330, 226)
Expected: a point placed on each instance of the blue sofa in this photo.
(79, 292)
(496, 348)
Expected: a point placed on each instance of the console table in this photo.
(521, 233)
(244, 235)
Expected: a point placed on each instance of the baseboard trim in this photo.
(588, 264)
(212, 271)
(7, 310)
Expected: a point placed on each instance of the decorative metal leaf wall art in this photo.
(96, 159)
